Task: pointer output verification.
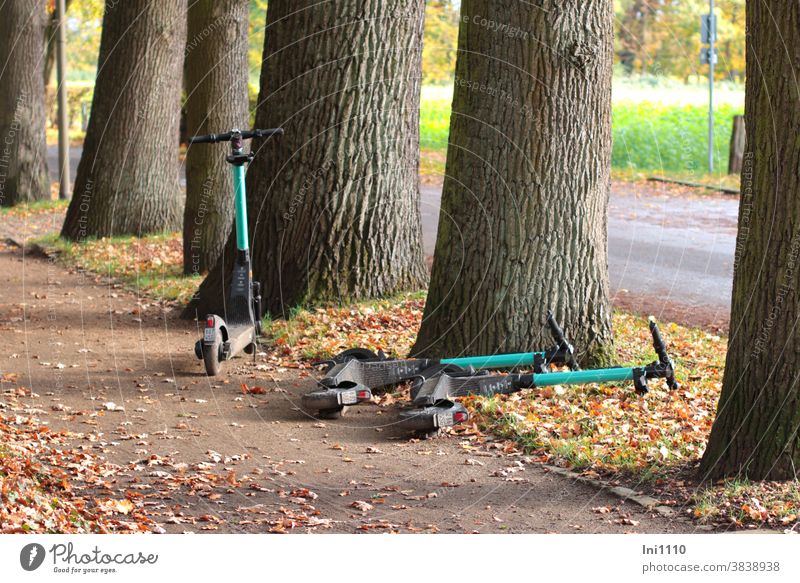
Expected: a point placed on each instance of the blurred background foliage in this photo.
(660, 88)
(653, 38)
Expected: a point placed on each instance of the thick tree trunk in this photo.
(334, 203)
(523, 225)
(23, 147)
(755, 434)
(216, 72)
(127, 180)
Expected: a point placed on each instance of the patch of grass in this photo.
(151, 265)
(317, 333)
(434, 123)
(669, 138)
(34, 208)
(432, 165)
(740, 502)
(607, 427)
(716, 179)
(655, 130)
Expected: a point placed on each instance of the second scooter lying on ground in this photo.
(435, 408)
(352, 374)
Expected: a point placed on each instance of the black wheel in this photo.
(211, 356)
(354, 354)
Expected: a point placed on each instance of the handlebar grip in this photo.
(262, 133)
(658, 342)
(207, 139)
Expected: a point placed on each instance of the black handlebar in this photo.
(226, 137)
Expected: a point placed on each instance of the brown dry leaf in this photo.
(362, 506)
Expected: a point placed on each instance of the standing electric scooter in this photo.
(225, 338)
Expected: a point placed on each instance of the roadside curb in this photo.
(621, 492)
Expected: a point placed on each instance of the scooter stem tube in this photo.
(578, 377)
(496, 360)
(240, 204)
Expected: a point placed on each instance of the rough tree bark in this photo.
(334, 203)
(523, 225)
(23, 148)
(216, 72)
(755, 434)
(127, 180)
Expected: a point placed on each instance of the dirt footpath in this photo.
(119, 371)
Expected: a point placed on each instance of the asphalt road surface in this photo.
(669, 255)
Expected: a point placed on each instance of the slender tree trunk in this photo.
(216, 85)
(127, 180)
(755, 434)
(23, 147)
(334, 203)
(523, 225)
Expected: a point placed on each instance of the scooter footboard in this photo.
(373, 374)
(447, 386)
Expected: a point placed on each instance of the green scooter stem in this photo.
(240, 208)
(578, 377)
(496, 361)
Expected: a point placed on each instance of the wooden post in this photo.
(737, 145)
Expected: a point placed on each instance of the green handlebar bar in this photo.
(578, 377)
(496, 360)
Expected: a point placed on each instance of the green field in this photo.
(656, 129)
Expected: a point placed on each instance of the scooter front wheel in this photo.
(211, 356)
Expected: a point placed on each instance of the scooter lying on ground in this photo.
(436, 409)
(224, 338)
(352, 374)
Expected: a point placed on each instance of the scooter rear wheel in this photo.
(211, 356)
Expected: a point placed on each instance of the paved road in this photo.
(669, 255)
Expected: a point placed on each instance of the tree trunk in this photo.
(127, 180)
(334, 203)
(216, 85)
(23, 147)
(523, 225)
(738, 138)
(755, 434)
